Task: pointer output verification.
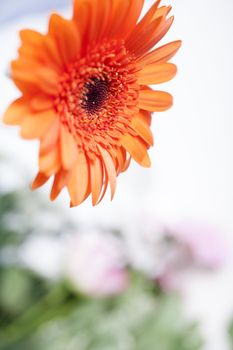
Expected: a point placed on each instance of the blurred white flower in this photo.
(95, 264)
(44, 255)
(145, 246)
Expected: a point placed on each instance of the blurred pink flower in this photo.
(96, 264)
(193, 245)
(204, 244)
(170, 280)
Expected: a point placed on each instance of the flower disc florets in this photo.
(98, 94)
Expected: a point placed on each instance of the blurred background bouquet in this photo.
(71, 286)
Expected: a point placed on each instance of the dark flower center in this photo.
(95, 94)
(98, 96)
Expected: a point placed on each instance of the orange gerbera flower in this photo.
(85, 93)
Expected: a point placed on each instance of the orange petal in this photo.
(142, 129)
(52, 52)
(126, 165)
(66, 36)
(49, 163)
(162, 54)
(132, 17)
(137, 43)
(136, 149)
(45, 78)
(38, 48)
(69, 149)
(156, 73)
(145, 116)
(162, 11)
(16, 112)
(142, 25)
(155, 32)
(50, 139)
(31, 37)
(40, 180)
(96, 170)
(32, 45)
(78, 184)
(121, 158)
(60, 181)
(110, 169)
(162, 31)
(99, 18)
(125, 14)
(105, 182)
(37, 125)
(41, 102)
(27, 89)
(81, 16)
(154, 101)
(23, 70)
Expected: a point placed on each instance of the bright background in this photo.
(191, 176)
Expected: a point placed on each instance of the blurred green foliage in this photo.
(139, 319)
(230, 331)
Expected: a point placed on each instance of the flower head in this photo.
(85, 93)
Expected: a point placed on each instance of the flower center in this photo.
(95, 94)
(98, 94)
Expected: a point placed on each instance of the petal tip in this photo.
(146, 162)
